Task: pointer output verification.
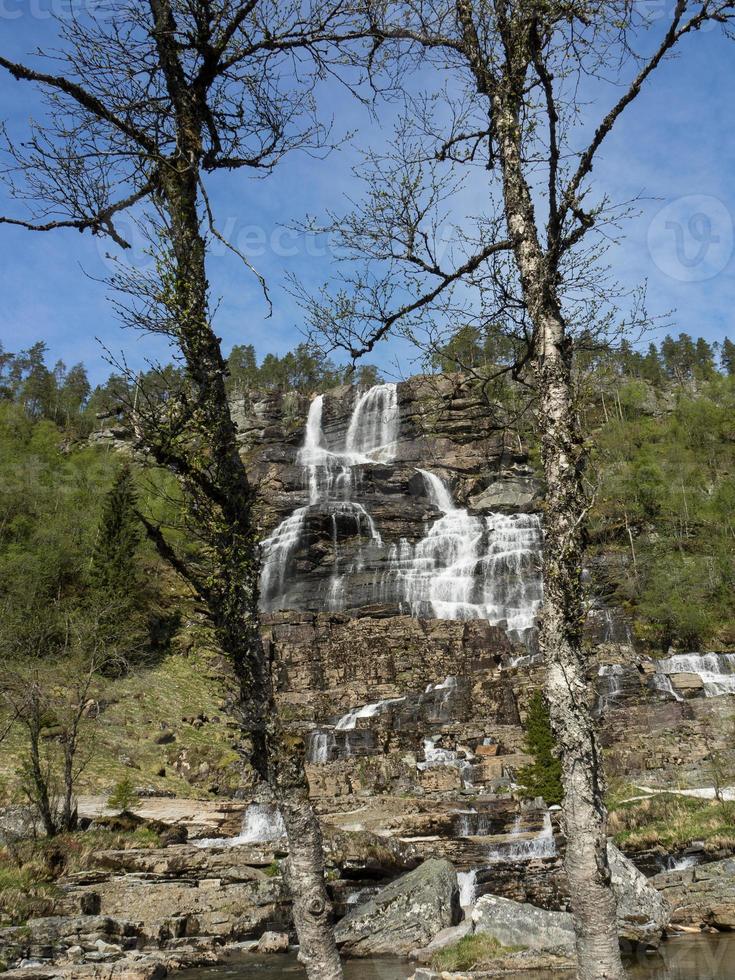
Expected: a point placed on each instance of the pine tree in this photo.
(727, 356)
(113, 562)
(704, 361)
(543, 776)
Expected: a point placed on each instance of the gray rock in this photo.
(273, 942)
(643, 913)
(405, 915)
(516, 924)
(700, 896)
(507, 493)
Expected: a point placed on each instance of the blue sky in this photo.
(675, 147)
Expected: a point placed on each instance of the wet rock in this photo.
(404, 915)
(515, 924)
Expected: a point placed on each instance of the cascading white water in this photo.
(467, 881)
(469, 567)
(262, 823)
(717, 671)
(435, 756)
(465, 567)
(372, 435)
(609, 685)
(521, 847)
(373, 430)
(349, 721)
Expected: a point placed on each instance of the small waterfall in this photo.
(467, 881)
(319, 747)
(373, 430)
(469, 567)
(435, 756)
(439, 493)
(521, 847)
(717, 671)
(372, 435)
(349, 721)
(662, 684)
(609, 685)
(470, 823)
(262, 823)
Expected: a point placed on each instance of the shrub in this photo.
(123, 798)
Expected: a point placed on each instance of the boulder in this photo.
(519, 924)
(405, 915)
(273, 942)
(507, 494)
(643, 913)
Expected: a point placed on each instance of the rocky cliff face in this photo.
(400, 589)
(403, 498)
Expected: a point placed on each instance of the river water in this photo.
(703, 957)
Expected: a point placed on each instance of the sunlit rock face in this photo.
(384, 506)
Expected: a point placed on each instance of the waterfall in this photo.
(465, 566)
(439, 493)
(372, 435)
(319, 747)
(349, 721)
(470, 823)
(262, 823)
(373, 430)
(469, 567)
(521, 847)
(717, 671)
(609, 685)
(435, 756)
(467, 881)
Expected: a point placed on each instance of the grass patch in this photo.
(30, 869)
(123, 740)
(673, 822)
(25, 893)
(471, 952)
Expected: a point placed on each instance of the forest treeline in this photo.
(64, 395)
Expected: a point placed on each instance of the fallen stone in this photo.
(519, 924)
(273, 942)
(405, 915)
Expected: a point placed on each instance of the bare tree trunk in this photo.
(40, 783)
(220, 500)
(567, 687)
(305, 880)
(585, 816)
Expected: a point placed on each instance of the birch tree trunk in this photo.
(233, 596)
(221, 500)
(593, 901)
